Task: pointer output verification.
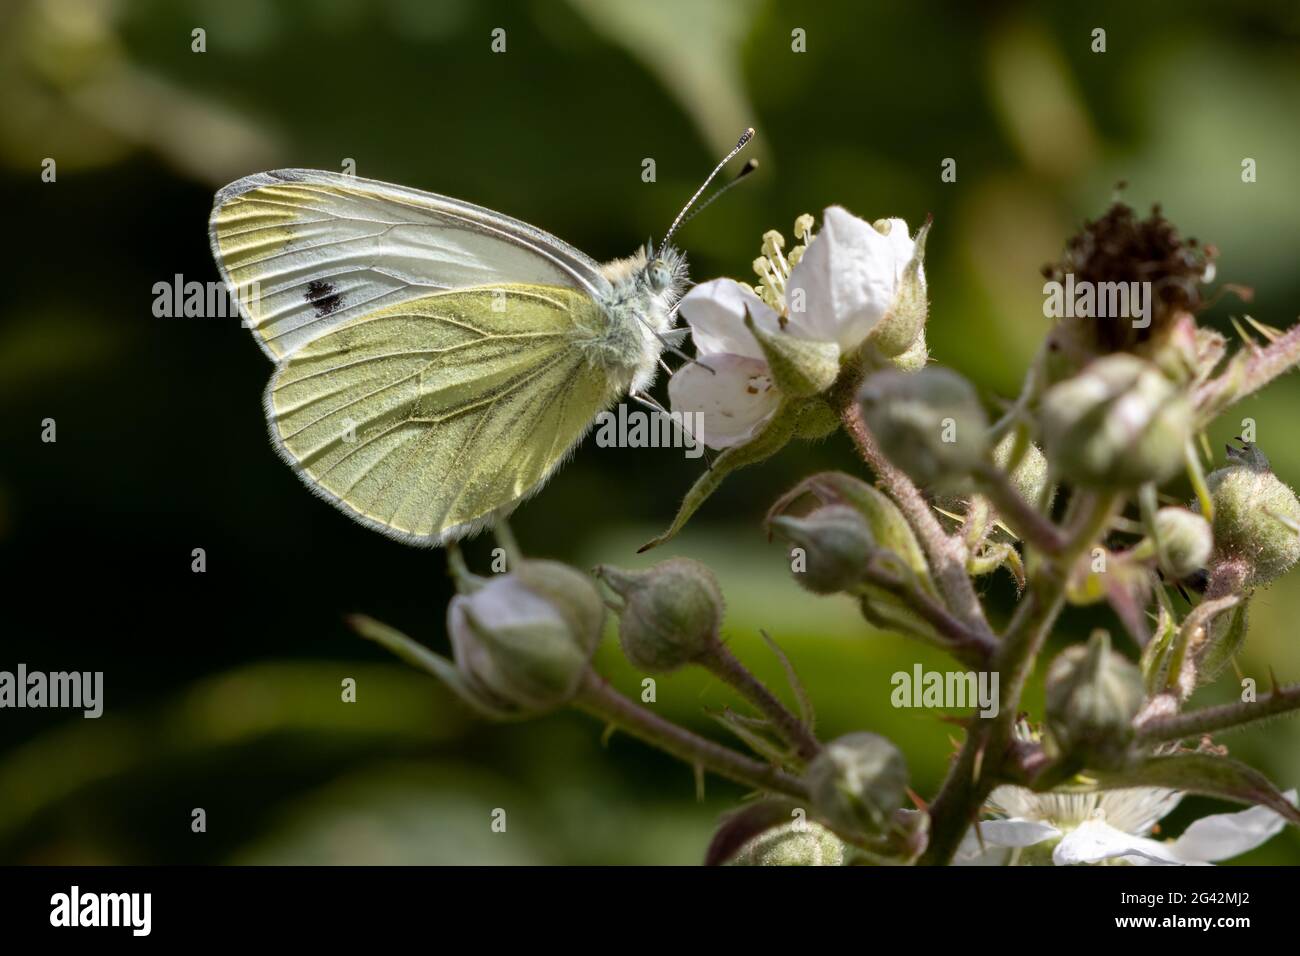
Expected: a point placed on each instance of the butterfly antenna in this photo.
(745, 170)
(745, 137)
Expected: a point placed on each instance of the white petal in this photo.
(1137, 809)
(1017, 832)
(998, 836)
(849, 277)
(1225, 835)
(504, 602)
(732, 401)
(901, 241)
(1096, 840)
(715, 311)
(974, 856)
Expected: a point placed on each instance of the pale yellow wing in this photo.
(307, 250)
(427, 418)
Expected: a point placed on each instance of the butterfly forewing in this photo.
(308, 250)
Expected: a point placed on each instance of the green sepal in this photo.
(771, 438)
(1227, 634)
(1156, 655)
(420, 657)
(800, 368)
(898, 330)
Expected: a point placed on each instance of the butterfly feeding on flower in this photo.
(436, 361)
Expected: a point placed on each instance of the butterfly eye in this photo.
(659, 275)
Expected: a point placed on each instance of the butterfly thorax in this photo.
(643, 290)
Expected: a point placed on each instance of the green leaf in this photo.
(1207, 775)
(767, 442)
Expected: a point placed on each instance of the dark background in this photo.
(222, 689)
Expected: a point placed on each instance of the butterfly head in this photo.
(665, 271)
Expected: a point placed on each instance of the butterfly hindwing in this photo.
(424, 418)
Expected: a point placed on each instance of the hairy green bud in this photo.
(929, 423)
(1256, 519)
(1093, 694)
(1117, 424)
(837, 544)
(1186, 542)
(523, 641)
(857, 782)
(671, 613)
(798, 843)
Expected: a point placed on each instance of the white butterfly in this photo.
(436, 361)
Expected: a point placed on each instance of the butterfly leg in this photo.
(655, 406)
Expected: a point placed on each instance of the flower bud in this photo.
(523, 641)
(857, 782)
(1118, 423)
(571, 593)
(1256, 517)
(799, 843)
(930, 423)
(1093, 694)
(1185, 540)
(836, 542)
(671, 613)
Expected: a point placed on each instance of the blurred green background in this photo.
(223, 689)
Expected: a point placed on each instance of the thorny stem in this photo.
(727, 667)
(978, 767)
(967, 645)
(596, 697)
(947, 553)
(1207, 720)
(1258, 370)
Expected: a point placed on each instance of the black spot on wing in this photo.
(323, 297)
